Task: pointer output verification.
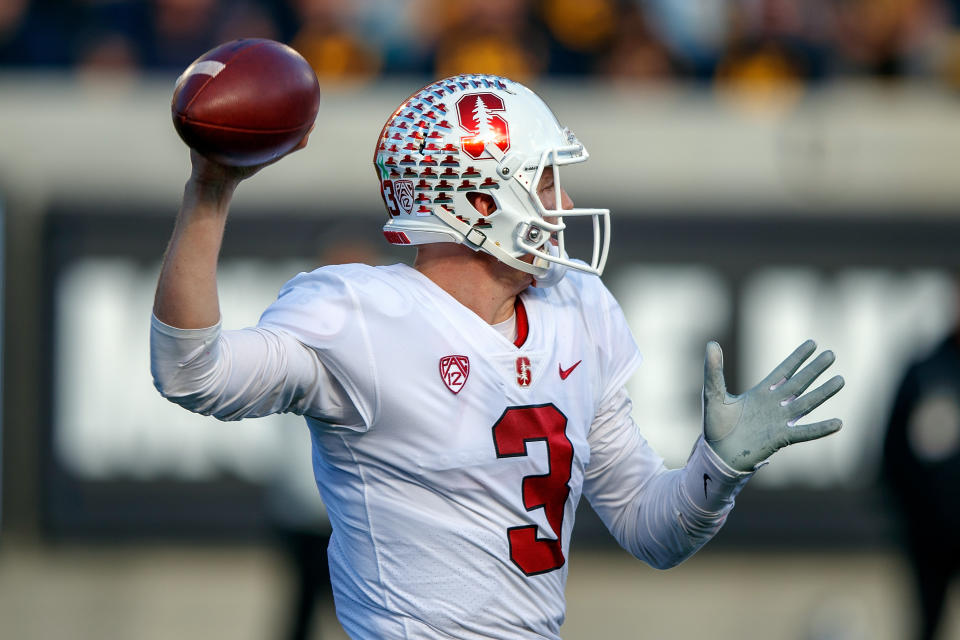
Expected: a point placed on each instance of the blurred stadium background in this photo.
(749, 149)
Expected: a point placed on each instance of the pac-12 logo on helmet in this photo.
(398, 196)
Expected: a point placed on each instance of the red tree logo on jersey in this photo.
(454, 371)
(523, 371)
(478, 116)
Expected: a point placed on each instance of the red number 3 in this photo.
(515, 428)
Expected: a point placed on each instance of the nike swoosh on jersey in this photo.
(566, 372)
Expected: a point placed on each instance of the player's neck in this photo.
(476, 280)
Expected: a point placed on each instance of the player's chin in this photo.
(519, 279)
(526, 279)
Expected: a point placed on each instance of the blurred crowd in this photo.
(732, 41)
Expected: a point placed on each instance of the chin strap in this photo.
(473, 237)
(477, 240)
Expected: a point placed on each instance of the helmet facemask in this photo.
(530, 235)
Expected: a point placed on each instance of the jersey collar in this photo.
(523, 326)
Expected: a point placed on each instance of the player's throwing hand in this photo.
(745, 430)
(207, 171)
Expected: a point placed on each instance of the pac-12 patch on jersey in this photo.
(454, 371)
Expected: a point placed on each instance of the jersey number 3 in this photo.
(515, 428)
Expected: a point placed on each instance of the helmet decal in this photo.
(402, 195)
(478, 115)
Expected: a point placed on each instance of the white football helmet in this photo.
(483, 134)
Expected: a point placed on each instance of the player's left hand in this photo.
(745, 430)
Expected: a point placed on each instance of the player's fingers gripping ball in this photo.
(246, 102)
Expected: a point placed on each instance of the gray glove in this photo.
(745, 430)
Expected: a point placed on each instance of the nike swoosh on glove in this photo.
(744, 430)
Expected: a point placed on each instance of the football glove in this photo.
(744, 430)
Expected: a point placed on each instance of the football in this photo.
(246, 102)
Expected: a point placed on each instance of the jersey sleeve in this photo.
(326, 311)
(660, 516)
(617, 350)
(245, 373)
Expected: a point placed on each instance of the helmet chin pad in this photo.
(555, 270)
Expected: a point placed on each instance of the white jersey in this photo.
(451, 460)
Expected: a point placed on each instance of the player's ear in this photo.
(482, 202)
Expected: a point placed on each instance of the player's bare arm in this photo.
(187, 290)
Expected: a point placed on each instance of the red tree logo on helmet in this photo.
(478, 116)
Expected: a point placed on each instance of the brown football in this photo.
(246, 102)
